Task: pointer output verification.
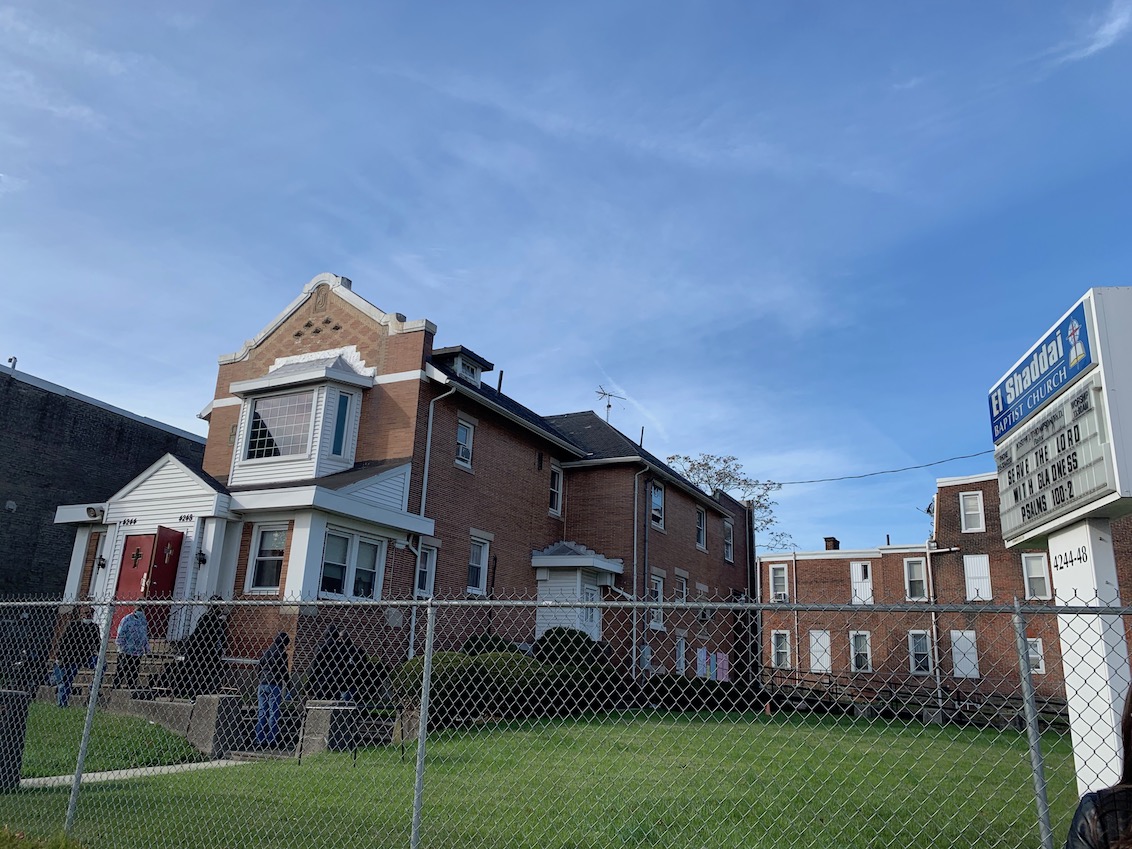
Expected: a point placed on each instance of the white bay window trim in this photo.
(353, 565)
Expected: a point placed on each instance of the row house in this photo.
(943, 656)
(349, 459)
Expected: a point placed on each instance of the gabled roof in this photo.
(342, 288)
(454, 351)
(568, 554)
(502, 404)
(606, 444)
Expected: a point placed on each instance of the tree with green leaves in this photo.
(712, 471)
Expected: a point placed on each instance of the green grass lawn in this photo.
(119, 742)
(661, 781)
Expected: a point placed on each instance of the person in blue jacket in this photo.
(273, 678)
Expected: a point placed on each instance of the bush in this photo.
(507, 685)
(488, 642)
(569, 646)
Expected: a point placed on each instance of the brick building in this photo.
(347, 458)
(949, 656)
(63, 447)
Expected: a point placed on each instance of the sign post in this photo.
(1062, 428)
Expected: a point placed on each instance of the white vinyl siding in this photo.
(388, 490)
(971, 512)
(568, 585)
(861, 576)
(1036, 575)
(915, 579)
(964, 654)
(976, 573)
(821, 658)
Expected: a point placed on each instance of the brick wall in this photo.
(58, 449)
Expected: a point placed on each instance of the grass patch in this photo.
(18, 840)
(117, 742)
(620, 781)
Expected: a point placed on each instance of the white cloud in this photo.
(18, 35)
(21, 88)
(1104, 31)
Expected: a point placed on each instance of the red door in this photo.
(162, 578)
(148, 570)
(133, 572)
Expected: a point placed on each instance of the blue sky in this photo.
(810, 235)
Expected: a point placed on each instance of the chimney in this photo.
(832, 544)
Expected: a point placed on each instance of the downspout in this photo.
(428, 447)
(646, 571)
(636, 568)
(935, 630)
(797, 632)
(754, 593)
(413, 610)
(424, 501)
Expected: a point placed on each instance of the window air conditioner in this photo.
(704, 614)
(781, 597)
(462, 453)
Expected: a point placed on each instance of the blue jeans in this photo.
(267, 717)
(67, 673)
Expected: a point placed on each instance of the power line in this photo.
(888, 471)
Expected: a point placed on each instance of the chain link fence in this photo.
(480, 723)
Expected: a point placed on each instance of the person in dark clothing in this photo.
(273, 677)
(78, 646)
(1104, 817)
(336, 668)
(198, 666)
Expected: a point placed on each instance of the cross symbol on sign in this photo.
(168, 552)
(136, 556)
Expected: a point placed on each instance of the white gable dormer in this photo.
(300, 420)
(468, 369)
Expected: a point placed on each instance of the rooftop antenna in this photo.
(608, 396)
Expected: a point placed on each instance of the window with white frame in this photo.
(915, 579)
(555, 489)
(1036, 575)
(1037, 655)
(477, 566)
(976, 573)
(919, 653)
(656, 593)
(778, 589)
(468, 370)
(861, 582)
(701, 528)
(353, 565)
(681, 665)
(266, 567)
(426, 573)
(861, 649)
(780, 649)
(728, 541)
(280, 425)
(656, 500)
(971, 512)
(465, 432)
(681, 588)
(342, 418)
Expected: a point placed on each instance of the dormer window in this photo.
(468, 370)
(280, 425)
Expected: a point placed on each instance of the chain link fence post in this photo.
(91, 707)
(1033, 732)
(422, 733)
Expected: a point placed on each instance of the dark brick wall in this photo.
(57, 450)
